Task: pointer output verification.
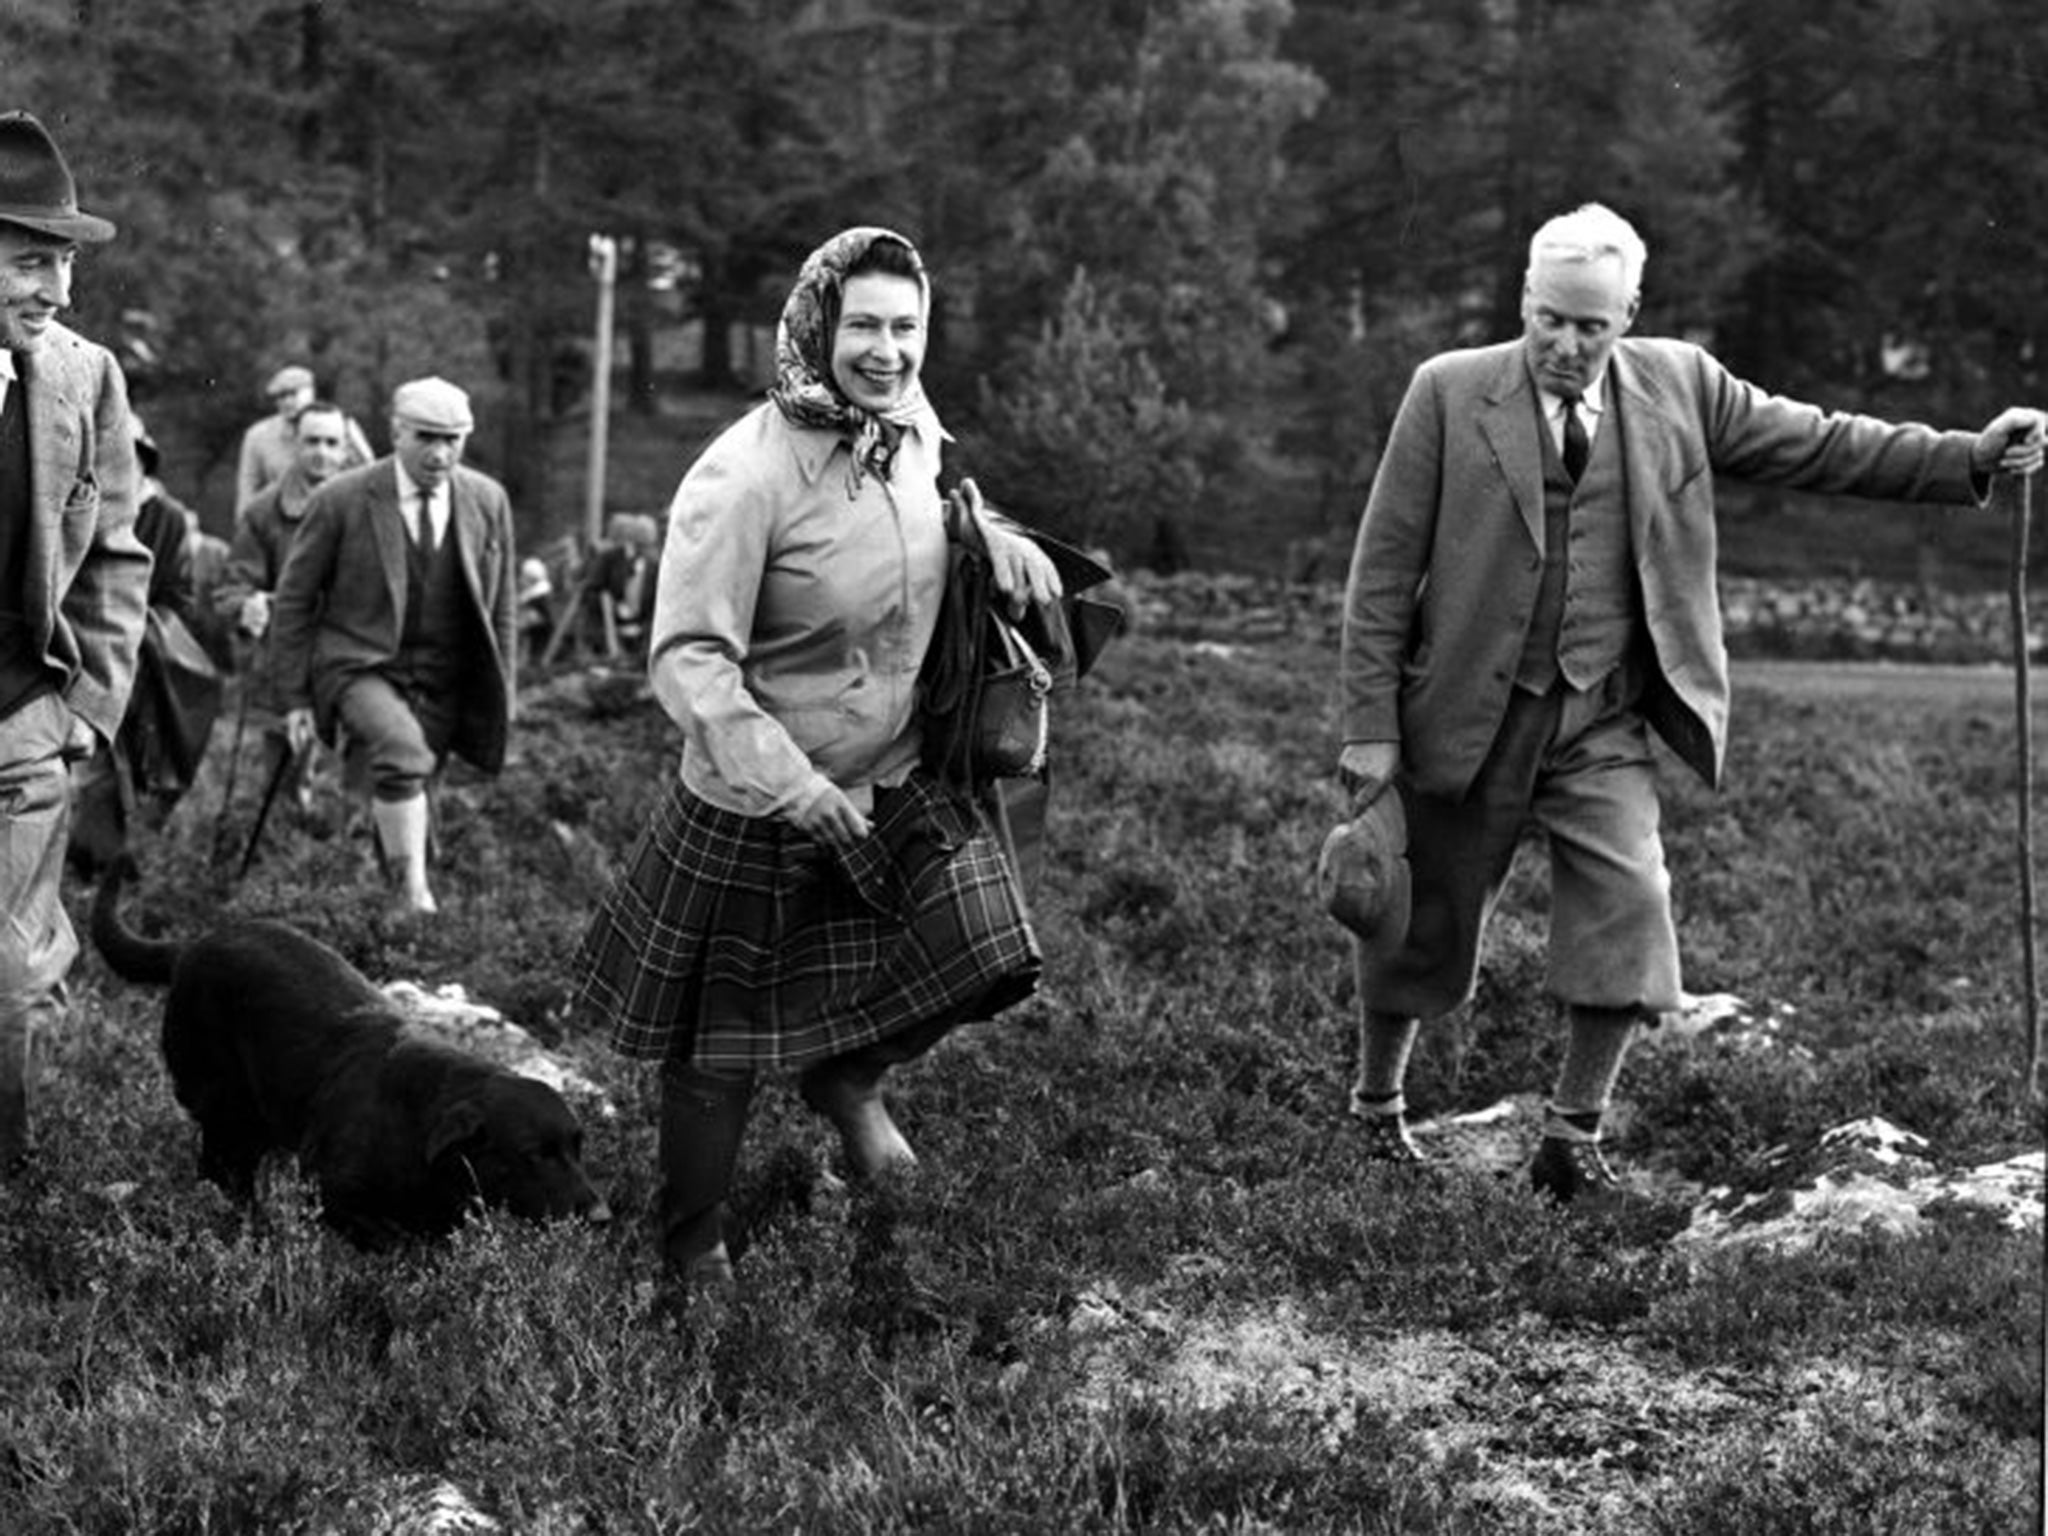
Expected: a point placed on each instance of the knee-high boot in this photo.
(703, 1119)
(16, 1032)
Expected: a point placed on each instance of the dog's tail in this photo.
(131, 956)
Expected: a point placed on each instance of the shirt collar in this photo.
(7, 369)
(1592, 403)
(814, 448)
(409, 489)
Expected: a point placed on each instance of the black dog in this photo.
(275, 1043)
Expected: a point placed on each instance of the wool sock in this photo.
(1595, 1044)
(1385, 1041)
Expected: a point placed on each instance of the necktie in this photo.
(423, 520)
(1576, 448)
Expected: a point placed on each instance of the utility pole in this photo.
(604, 260)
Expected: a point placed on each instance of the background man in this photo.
(1532, 590)
(395, 619)
(265, 526)
(269, 448)
(73, 580)
(264, 530)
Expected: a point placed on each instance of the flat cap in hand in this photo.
(1362, 875)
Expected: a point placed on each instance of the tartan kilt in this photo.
(738, 942)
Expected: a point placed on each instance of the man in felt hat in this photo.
(395, 621)
(73, 583)
(1532, 594)
(270, 447)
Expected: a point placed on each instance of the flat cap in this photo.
(1362, 874)
(434, 404)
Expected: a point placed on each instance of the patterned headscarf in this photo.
(804, 389)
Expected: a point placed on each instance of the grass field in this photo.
(1142, 1280)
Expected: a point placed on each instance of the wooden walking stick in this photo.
(2018, 491)
(285, 763)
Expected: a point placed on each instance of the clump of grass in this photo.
(1961, 1299)
(1852, 1466)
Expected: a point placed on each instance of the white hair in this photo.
(1593, 232)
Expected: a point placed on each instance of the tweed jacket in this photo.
(1448, 558)
(339, 607)
(86, 582)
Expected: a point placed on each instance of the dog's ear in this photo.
(458, 1123)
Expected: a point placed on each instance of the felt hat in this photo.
(36, 189)
(1362, 875)
(434, 404)
(291, 378)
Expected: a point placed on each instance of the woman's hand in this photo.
(1022, 571)
(831, 819)
(80, 741)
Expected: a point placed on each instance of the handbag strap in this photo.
(1019, 649)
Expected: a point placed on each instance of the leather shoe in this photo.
(1565, 1170)
(1385, 1139)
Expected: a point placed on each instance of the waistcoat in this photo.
(1587, 606)
(435, 629)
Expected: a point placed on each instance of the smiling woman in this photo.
(807, 897)
(878, 345)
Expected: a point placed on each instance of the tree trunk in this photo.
(312, 75)
(714, 358)
(1525, 55)
(639, 318)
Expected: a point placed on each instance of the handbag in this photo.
(1012, 722)
(984, 687)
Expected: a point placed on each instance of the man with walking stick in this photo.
(264, 529)
(1532, 593)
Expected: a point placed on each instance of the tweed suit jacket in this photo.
(339, 608)
(85, 583)
(1449, 556)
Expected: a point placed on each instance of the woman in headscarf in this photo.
(806, 898)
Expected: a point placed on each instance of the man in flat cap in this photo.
(395, 621)
(270, 447)
(73, 584)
